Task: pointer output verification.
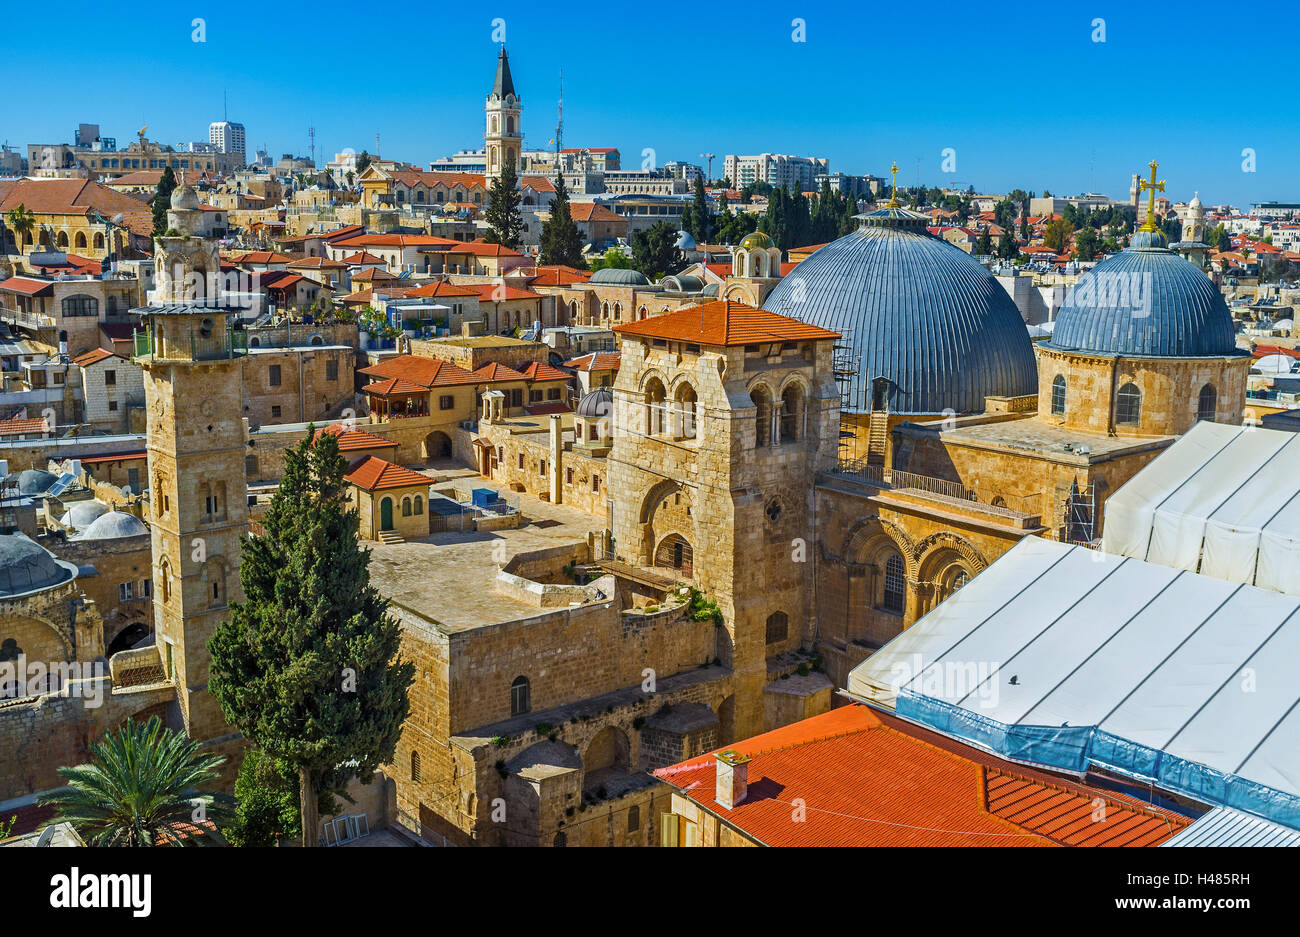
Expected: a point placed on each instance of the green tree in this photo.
(701, 219)
(1056, 234)
(22, 221)
(615, 258)
(505, 221)
(363, 161)
(654, 251)
(141, 788)
(1087, 243)
(1008, 249)
(984, 246)
(560, 241)
(162, 200)
(266, 802)
(307, 666)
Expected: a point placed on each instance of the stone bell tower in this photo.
(503, 135)
(196, 441)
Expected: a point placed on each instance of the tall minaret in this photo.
(197, 496)
(503, 136)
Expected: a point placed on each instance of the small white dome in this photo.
(83, 513)
(113, 526)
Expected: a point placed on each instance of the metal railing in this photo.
(893, 478)
(422, 833)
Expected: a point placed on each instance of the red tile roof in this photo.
(595, 361)
(559, 276)
(537, 371)
(493, 371)
(316, 263)
(393, 385)
(93, 357)
(362, 257)
(590, 211)
(865, 778)
(724, 322)
(499, 292)
(375, 474)
(442, 288)
(351, 440)
(22, 427)
(27, 286)
(427, 372)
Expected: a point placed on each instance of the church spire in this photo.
(504, 84)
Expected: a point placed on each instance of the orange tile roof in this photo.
(591, 211)
(393, 385)
(391, 240)
(870, 779)
(442, 288)
(499, 292)
(262, 257)
(481, 249)
(315, 263)
(536, 371)
(375, 474)
(27, 286)
(67, 197)
(724, 322)
(493, 372)
(559, 275)
(427, 372)
(350, 440)
(22, 427)
(92, 357)
(595, 361)
(362, 257)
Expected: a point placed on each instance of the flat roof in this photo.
(1037, 436)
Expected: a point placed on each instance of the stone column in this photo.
(557, 459)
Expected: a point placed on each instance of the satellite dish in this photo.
(47, 836)
(119, 218)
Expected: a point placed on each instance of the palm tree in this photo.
(21, 220)
(140, 788)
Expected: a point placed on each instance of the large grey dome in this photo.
(35, 481)
(1145, 301)
(26, 566)
(114, 525)
(616, 276)
(918, 312)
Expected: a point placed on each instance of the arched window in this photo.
(419, 506)
(1128, 404)
(686, 401)
(415, 766)
(792, 413)
(762, 417)
(406, 507)
(618, 312)
(9, 650)
(1058, 395)
(1207, 404)
(895, 585)
(81, 240)
(520, 702)
(654, 399)
(778, 627)
(633, 818)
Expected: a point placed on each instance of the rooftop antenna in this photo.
(376, 144)
(559, 124)
(311, 135)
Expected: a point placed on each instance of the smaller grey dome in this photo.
(684, 241)
(83, 513)
(615, 276)
(113, 526)
(184, 198)
(598, 403)
(35, 481)
(26, 566)
(710, 290)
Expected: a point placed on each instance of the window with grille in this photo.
(1207, 404)
(446, 401)
(1128, 404)
(275, 375)
(778, 627)
(895, 591)
(1058, 395)
(331, 370)
(519, 697)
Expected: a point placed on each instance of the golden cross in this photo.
(893, 202)
(1151, 188)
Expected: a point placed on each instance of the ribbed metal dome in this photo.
(596, 404)
(26, 566)
(617, 276)
(923, 314)
(1147, 302)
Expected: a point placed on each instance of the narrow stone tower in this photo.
(196, 441)
(503, 136)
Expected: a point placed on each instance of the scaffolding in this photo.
(845, 363)
(1080, 514)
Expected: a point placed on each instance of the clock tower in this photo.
(503, 137)
(198, 506)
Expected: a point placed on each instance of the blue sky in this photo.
(1020, 91)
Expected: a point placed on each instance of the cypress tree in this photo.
(162, 200)
(560, 241)
(306, 667)
(503, 215)
(701, 220)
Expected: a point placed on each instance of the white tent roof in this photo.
(1069, 657)
(1222, 500)
(1274, 364)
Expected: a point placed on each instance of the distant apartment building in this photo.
(638, 182)
(228, 137)
(1275, 211)
(844, 184)
(1052, 205)
(797, 173)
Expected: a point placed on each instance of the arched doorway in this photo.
(437, 445)
(675, 552)
(127, 638)
(386, 514)
(606, 756)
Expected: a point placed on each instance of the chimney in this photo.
(557, 459)
(732, 779)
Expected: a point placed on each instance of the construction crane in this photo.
(709, 157)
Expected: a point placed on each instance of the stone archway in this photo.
(437, 445)
(606, 756)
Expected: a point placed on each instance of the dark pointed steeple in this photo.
(504, 84)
